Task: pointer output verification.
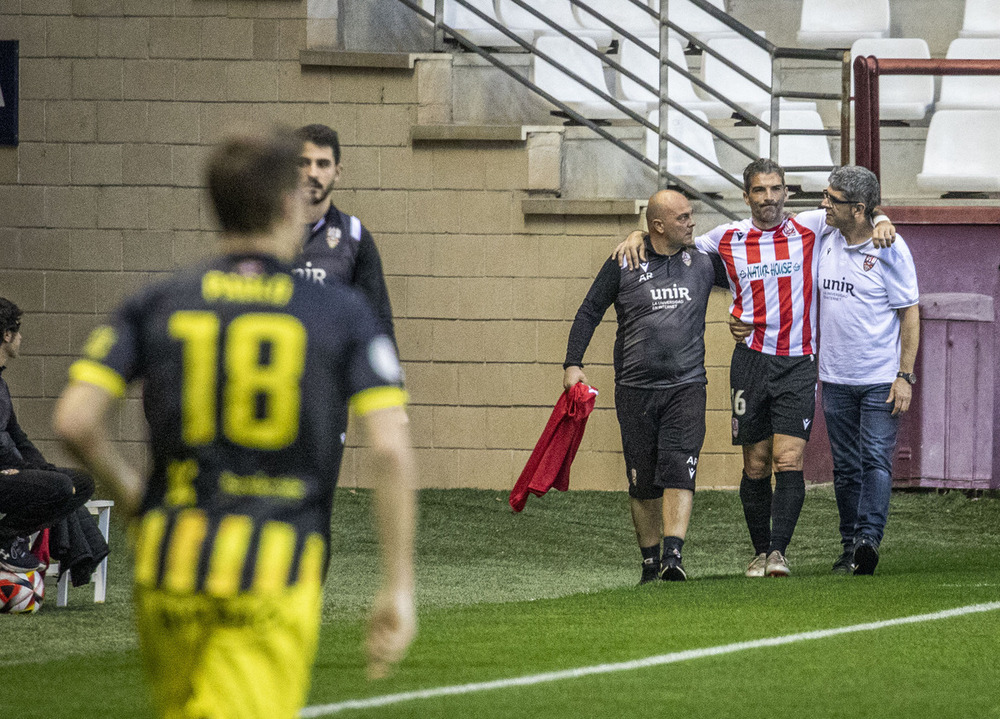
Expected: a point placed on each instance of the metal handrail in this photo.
(867, 71)
(575, 116)
(774, 90)
(572, 114)
(665, 177)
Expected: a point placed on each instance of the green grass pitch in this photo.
(505, 596)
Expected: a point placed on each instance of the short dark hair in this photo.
(761, 166)
(10, 316)
(321, 136)
(247, 177)
(858, 184)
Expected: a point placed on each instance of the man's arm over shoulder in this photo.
(370, 279)
(709, 242)
(814, 220)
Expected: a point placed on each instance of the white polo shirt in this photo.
(860, 290)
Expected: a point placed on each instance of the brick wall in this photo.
(120, 100)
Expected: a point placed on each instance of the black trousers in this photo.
(32, 499)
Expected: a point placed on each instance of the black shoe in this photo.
(865, 556)
(845, 562)
(671, 567)
(650, 572)
(15, 557)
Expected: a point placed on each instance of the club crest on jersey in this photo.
(870, 261)
(686, 258)
(332, 237)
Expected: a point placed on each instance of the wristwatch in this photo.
(908, 376)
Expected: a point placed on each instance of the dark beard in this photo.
(322, 197)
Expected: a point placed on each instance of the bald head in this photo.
(670, 221)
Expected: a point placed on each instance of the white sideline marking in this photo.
(672, 658)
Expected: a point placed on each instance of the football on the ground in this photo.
(21, 593)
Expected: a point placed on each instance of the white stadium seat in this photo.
(982, 19)
(475, 28)
(960, 156)
(971, 92)
(625, 13)
(587, 66)
(799, 149)
(647, 67)
(826, 24)
(901, 97)
(752, 59)
(559, 11)
(679, 163)
(696, 21)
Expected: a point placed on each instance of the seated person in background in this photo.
(33, 493)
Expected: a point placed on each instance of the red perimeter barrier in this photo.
(867, 71)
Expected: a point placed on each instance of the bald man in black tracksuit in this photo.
(660, 377)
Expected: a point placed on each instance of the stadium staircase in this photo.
(472, 102)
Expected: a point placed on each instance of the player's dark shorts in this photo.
(662, 433)
(771, 395)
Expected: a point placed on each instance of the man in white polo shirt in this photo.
(869, 330)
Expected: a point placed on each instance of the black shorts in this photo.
(662, 433)
(771, 395)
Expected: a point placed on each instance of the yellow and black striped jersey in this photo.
(247, 375)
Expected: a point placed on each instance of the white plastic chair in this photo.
(559, 11)
(696, 21)
(476, 28)
(647, 67)
(799, 149)
(754, 60)
(971, 92)
(961, 151)
(622, 12)
(982, 19)
(688, 168)
(563, 88)
(826, 24)
(901, 97)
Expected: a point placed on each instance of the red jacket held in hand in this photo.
(548, 465)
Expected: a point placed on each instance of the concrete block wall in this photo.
(120, 100)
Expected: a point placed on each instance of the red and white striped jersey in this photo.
(772, 274)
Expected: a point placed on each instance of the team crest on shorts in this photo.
(870, 261)
(332, 237)
(686, 258)
(736, 427)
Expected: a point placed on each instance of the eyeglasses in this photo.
(836, 200)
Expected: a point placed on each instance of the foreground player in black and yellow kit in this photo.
(247, 376)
